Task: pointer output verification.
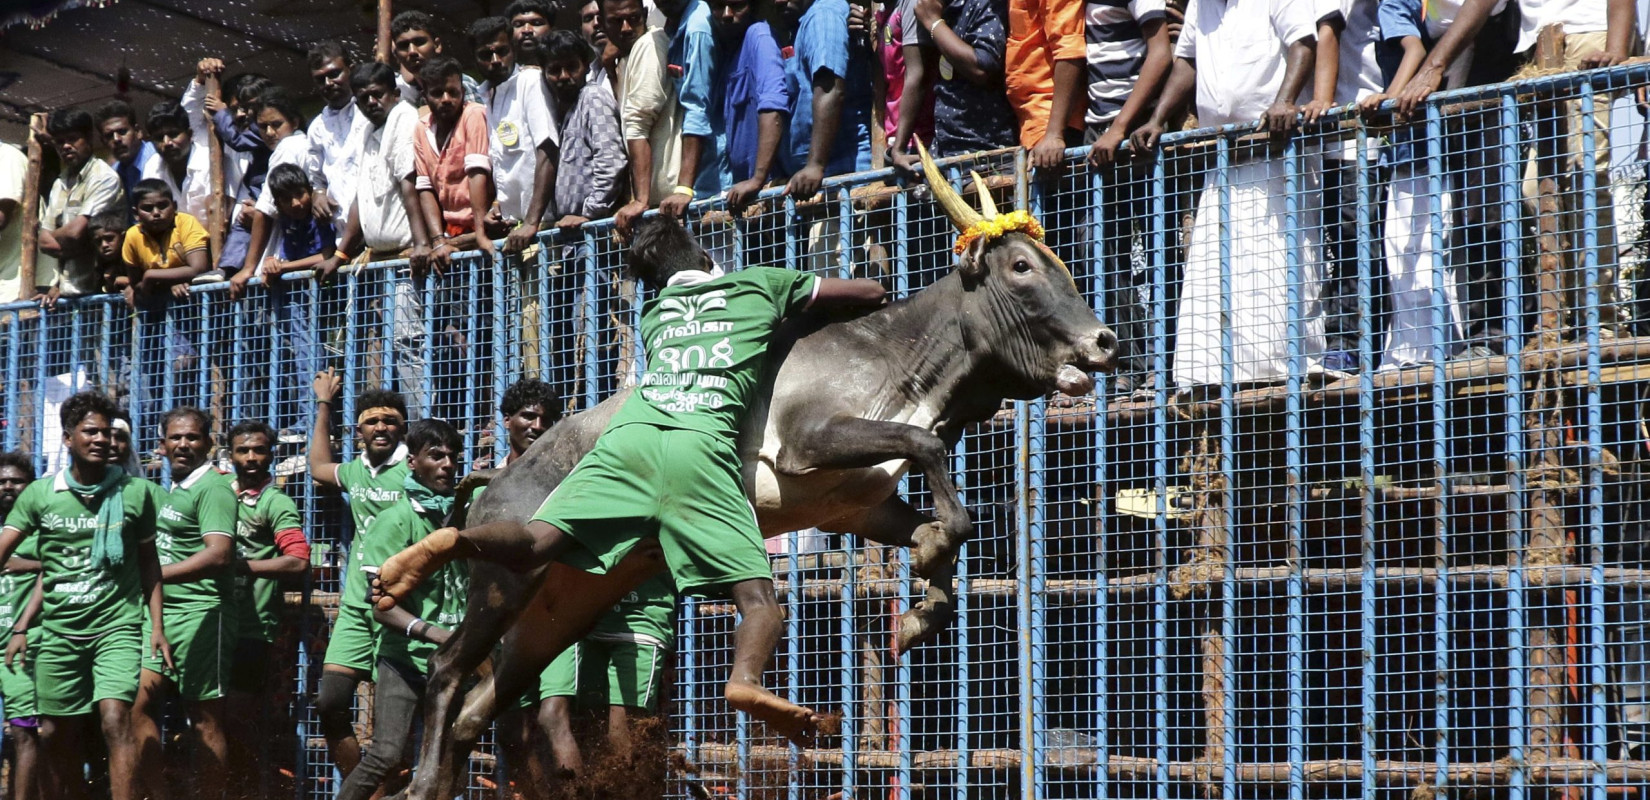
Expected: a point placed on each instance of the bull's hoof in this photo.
(934, 548)
(922, 623)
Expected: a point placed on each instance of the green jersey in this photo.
(264, 513)
(439, 600)
(200, 505)
(84, 601)
(706, 346)
(15, 587)
(646, 615)
(371, 491)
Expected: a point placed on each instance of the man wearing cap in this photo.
(373, 482)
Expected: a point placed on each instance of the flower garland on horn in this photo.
(995, 226)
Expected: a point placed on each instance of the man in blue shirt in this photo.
(694, 51)
(831, 97)
(129, 151)
(756, 99)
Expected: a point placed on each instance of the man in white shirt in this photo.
(521, 132)
(336, 133)
(182, 159)
(85, 187)
(385, 216)
(1258, 56)
(13, 166)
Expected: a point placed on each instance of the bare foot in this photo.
(788, 719)
(408, 568)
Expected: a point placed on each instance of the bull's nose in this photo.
(1105, 345)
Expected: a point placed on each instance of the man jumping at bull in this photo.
(667, 466)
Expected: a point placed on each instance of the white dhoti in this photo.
(1259, 277)
(1414, 322)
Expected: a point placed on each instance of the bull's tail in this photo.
(465, 492)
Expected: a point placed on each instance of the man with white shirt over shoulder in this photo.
(1257, 57)
(337, 130)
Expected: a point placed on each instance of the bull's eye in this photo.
(1022, 266)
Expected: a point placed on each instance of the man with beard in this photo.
(20, 600)
(95, 527)
(373, 483)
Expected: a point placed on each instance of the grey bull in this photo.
(850, 406)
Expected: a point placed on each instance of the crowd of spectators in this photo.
(652, 104)
(124, 586)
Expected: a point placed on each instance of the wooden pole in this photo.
(386, 12)
(216, 211)
(31, 208)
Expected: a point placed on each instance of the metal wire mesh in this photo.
(1362, 512)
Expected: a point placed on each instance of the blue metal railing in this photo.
(1324, 585)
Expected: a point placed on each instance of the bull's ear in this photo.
(971, 264)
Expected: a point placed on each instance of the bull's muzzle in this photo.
(1097, 354)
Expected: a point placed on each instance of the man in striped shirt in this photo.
(1129, 52)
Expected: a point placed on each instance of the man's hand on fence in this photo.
(627, 216)
(1105, 148)
(1145, 137)
(48, 297)
(237, 284)
(1313, 111)
(1418, 90)
(325, 270)
(326, 385)
(522, 237)
(1280, 117)
(1050, 153)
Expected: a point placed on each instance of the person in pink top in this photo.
(887, 28)
(450, 152)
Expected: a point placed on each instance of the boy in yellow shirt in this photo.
(164, 252)
(165, 249)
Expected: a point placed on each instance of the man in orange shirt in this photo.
(454, 167)
(1046, 56)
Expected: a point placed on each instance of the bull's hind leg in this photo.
(492, 607)
(566, 606)
(854, 443)
(896, 524)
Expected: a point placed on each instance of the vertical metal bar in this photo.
(845, 225)
(1160, 484)
(1030, 428)
(902, 666)
(592, 338)
(1295, 479)
(693, 707)
(846, 636)
(1228, 579)
(965, 633)
(793, 655)
(503, 347)
(14, 377)
(1597, 699)
(1099, 648)
(1517, 730)
(1366, 466)
(1440, 433)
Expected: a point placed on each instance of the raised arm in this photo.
(322, 466)
(848, 293)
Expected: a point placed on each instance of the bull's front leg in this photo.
(895, 523)
(853, 443)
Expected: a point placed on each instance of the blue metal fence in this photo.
(1232, 571)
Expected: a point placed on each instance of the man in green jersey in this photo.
(372, 483)
(618, 669)
(19, 605)
(195, 538)
(95, 529)
(667, 465)
(269, 547)
(412, 631)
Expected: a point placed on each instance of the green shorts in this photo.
(71, 676)
(600, 673)
(680, 485)
(354, 642)
(203, 647)
(17, 682)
